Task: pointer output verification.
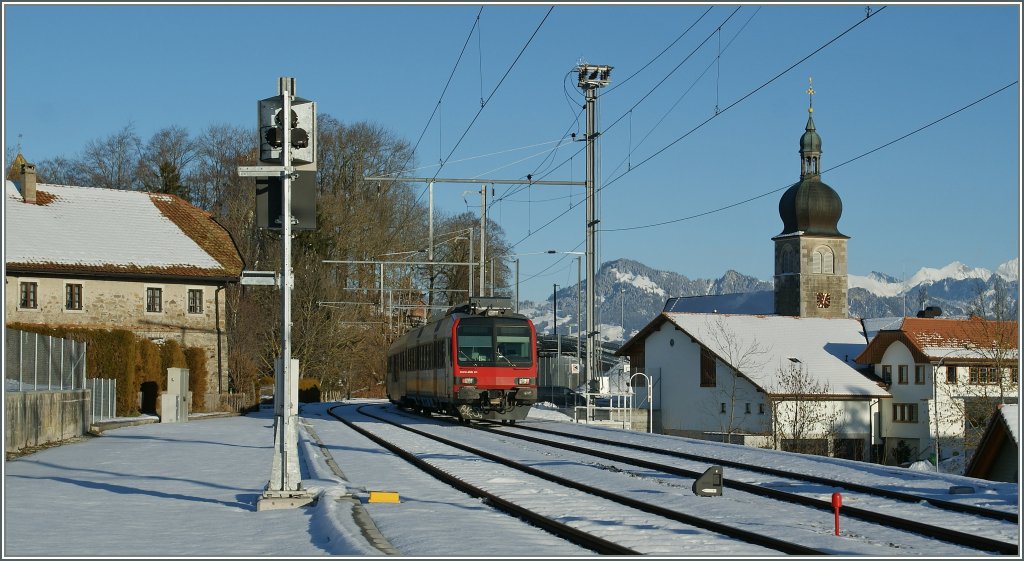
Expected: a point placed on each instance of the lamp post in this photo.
(554, 312)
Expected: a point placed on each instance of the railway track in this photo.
(563, 530)
(936, 532)
(874, 491)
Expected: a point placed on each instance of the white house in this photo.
(946, 377)
(781, 381)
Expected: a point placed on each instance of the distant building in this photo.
(946, 377)
(784, 382)
(102, 258)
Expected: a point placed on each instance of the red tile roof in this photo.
(927, 338)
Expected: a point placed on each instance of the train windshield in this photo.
(494, 342)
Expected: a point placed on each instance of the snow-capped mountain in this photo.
(630, 294)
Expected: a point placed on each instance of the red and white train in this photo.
(477, 361)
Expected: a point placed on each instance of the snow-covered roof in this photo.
(873, 325)
(91, 230)
(760, 302)
(823, 347)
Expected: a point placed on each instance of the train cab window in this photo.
(494, 342)
(475, 342)
(513, 343)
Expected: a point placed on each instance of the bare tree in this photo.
(801, 420)
(112, 162)
(980, 376)
(740, 356)
(60, 171)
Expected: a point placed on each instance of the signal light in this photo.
(468, 380)
(523, 381)
(301, 122)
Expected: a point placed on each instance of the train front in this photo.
(495, 366)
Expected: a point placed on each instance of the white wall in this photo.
(686, 406)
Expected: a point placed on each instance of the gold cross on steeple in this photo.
(810, 93)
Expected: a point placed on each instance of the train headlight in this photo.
(523, 381)
(468, 380)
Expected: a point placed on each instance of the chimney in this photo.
(28, 183)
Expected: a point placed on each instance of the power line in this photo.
(672, 108)
(491, 95)
(656, 86)
(750, 93)
(873, 150)
(709, 119)
(656, 57)
(437, 106)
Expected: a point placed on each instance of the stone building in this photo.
(103, 258)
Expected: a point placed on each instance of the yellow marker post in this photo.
(384, 497)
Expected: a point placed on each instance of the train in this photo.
(475, 361)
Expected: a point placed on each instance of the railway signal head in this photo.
(301, 125)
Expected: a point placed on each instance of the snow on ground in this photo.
(191, 489)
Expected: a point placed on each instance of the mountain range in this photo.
(630, 294)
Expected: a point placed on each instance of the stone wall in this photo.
(37, 418)
(121, 304)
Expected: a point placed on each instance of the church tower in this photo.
(810, 253)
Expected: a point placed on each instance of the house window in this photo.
(28, 295)
(903, 373)
(760, 409)
(72, 297)
(951, 374)
(887, 373)
(707, 369)
(748, 409)
(722, 410)
(982, 375)
(195, 300)
(154, 299)
(904, 412)
(919, 374)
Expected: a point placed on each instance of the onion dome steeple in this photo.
(810, 206)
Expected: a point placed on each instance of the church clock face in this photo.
(824, 299)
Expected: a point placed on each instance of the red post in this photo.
(837, 501)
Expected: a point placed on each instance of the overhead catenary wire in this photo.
(652, 90)
(483, 105)
(853, 159)
(709, 119)
(748, 94)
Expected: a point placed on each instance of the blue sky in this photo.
(73, 73)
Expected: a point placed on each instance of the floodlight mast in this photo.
(591, 77)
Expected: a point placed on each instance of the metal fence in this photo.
(35, 362)
(104, 398)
